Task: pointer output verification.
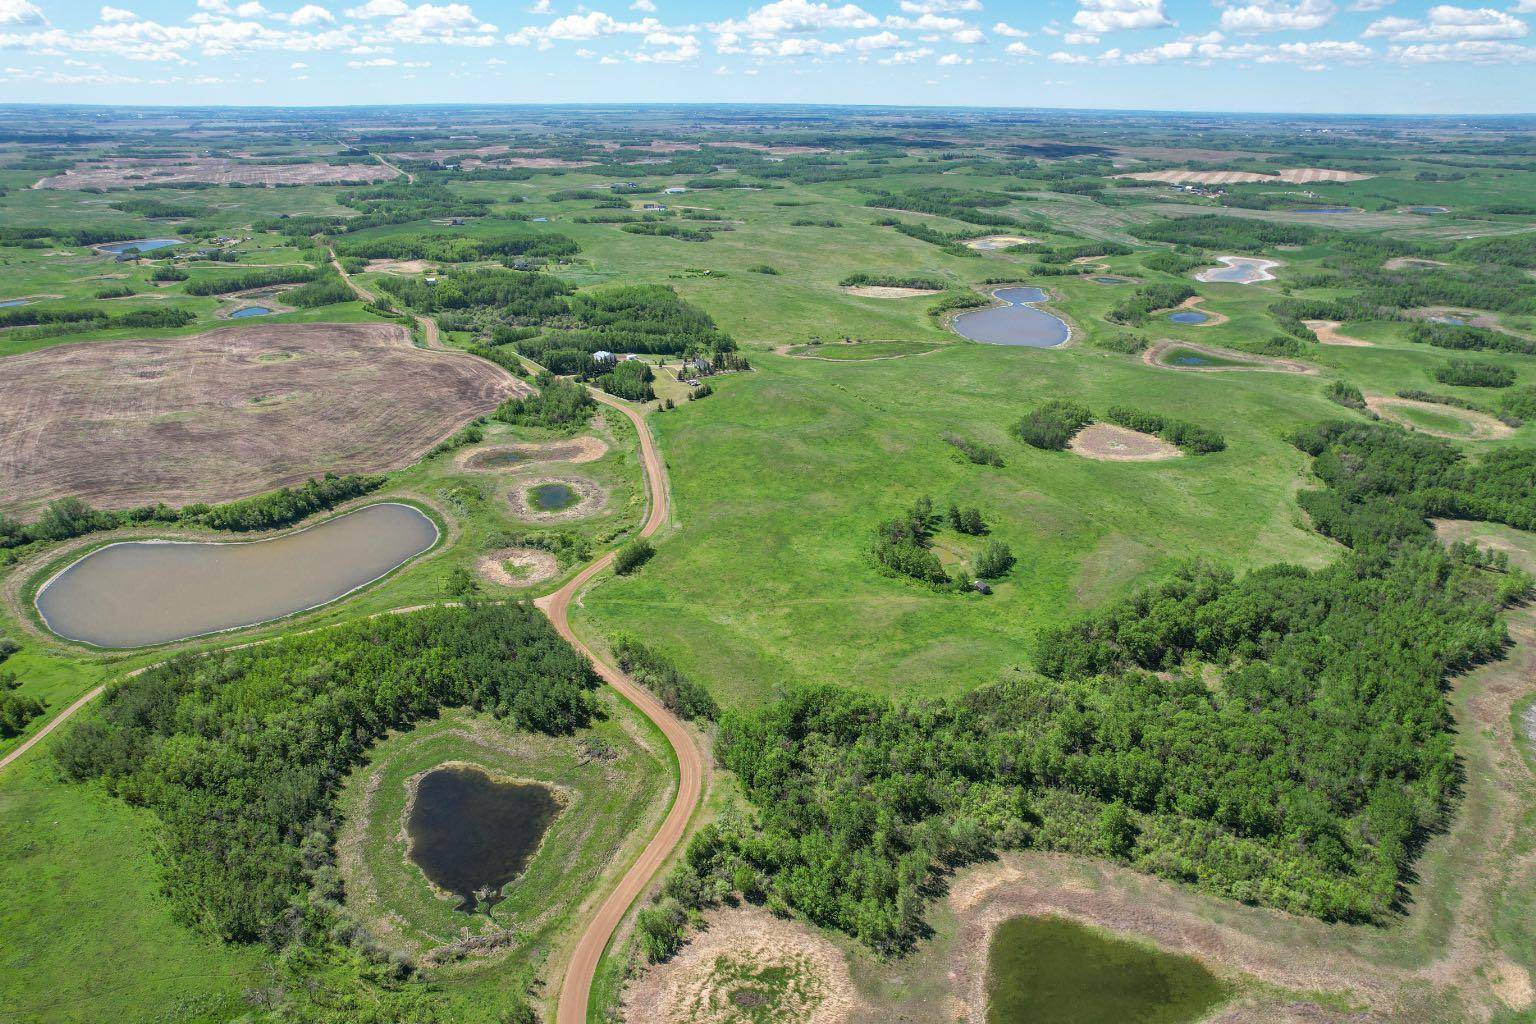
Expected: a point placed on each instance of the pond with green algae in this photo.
(1046, 970)
(554, 497)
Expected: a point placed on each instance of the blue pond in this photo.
(1454, 321)
(241, 314)
(1190, 361)
(1018, 323)
(14, 302)
(541, 220)
(1189, 316)
(141, 244)
(1111, 280)
(1427, 211)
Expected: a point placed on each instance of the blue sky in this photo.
(1345, 56)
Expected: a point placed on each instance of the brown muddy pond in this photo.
(143, 592)
(471, 834)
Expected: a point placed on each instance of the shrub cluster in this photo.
(1053, 425)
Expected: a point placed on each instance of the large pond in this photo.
(1189, 316)
(141, 244)
(1239, 270)
(247, 311)
(1044, 970)
(1017, 323)
(149, 592)
(471, 834)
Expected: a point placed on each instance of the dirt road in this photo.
(575, 990)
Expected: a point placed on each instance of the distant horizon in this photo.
(687, 104)
(1401, 58)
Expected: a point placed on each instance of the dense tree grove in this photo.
(239, 753)
(1053, 425)
(558, 404)
(653, 670)
(16, 709)
(1469, 338)
(1215, 231)
(1473, 373)
(1138, 307)
(519, 297)
(452, 247)
(629, 379)
(259, 277)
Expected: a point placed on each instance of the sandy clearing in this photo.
(696, 985)
(1153, 357)
(534, 565)
(880, 291)
(400, 267)
(1107, 442)
(989, 243)
(1327, 332)
(228, 413)
(1409, 263)
(1483, 426)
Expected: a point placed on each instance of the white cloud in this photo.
(117, 14)
(879, 41)
(1269, 16)
(378, 9)
(1465, 50)
(20, 12)
(1100, 16)
(1446, 23)
(540, 7)
(579, 28)
(310, 15)
(969, 37)
(1002, 28)
(1020, 50)
(951, 59)
(1370, 5)
(1080, 39)
(908, 56)
(783, 17)
(939, 6)
(643, 5)
(297, 65)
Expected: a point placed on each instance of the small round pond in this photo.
(1454, 321)
(1189, 316)
(136, 593)
(1019, 323)
(1044, 970)
(554, 497)
(246, 311)
(471, 833)
(1111, 280)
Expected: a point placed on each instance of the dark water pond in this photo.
(1111, 280)
(242, 313)
(500, 458)
(553, 497)
(1189, 316)
(470, 833)
(149, 592)
(141, 244)
(1018, 323)
(1043, 970)
(1190, 361)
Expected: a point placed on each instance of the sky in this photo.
(1302, 56)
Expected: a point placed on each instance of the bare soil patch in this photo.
(1107, 442)
(1409, 263)
(987, 243)
(517, 567)
(716, 977)
(576, 451)
(1327, 332)
(129, 173)
(1483, 426)
(877, 291)
(400, 267)
(1154, 353)
(229, 413)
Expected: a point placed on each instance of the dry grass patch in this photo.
(988, 243)
(517, 567)
(746, 967)
(880, 291)
(1109, 443)
(179, 420)
(1327, 332)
